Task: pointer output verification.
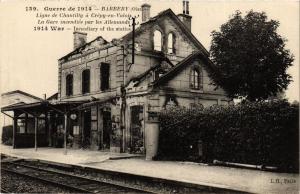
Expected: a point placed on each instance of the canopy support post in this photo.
(14, 132)
(65, 133)
(35, 132)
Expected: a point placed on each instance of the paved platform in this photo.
(253, 181)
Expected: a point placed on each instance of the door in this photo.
(137, 129)
(86, 129)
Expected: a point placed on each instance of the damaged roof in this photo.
(79, 49)
(141, 77)
(142, 27)
(207, 63)
(182, 26)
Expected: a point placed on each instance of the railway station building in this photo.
(110, 93)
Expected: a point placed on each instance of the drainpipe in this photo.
(122, 115)
(123, 104)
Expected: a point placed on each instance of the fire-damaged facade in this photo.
(110, 94)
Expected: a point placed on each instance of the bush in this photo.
(260, 133)
(7, 135)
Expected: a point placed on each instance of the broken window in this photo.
(69, 85)
(86, 81)
(196, 79)
(157, 40)
(171, 43)
(104, 76)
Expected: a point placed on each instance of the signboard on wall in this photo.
(75, 130)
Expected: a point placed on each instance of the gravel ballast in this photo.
(19, 184)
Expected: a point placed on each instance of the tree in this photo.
(250, 57)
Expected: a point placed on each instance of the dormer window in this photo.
(171, 44)
(157, 40)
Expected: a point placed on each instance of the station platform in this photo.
(252, 181)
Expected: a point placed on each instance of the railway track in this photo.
(85, 179)
(4, 191)
(74, 183)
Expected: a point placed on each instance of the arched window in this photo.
(157, 40)
(69, 85)
(86, 81)
(196, 79)
(104, 76)
(171, 43)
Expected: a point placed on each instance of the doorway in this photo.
(137, 129)
(86, 129)
(106, 130)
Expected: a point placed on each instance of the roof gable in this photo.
(165, 63)
(208, 65)
(175, 70)
(22, 93)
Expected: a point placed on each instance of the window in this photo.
(21, 125)
(42, 124)
(196, 79)
(69, 85)
(30, 124)
(157, 40)
(104, 76)
(86, 81)
(171, 44)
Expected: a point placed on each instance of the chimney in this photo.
(145, 12)
(79, 39)
(185, 17)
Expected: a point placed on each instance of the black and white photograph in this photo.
(149, 96)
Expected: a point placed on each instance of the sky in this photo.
(28, 59)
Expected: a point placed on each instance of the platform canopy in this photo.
(59, 106)
(101, 101)
(37, 109)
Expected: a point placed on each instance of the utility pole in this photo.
(133, 24)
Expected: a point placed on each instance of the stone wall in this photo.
(181, 81)
(112, 56)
